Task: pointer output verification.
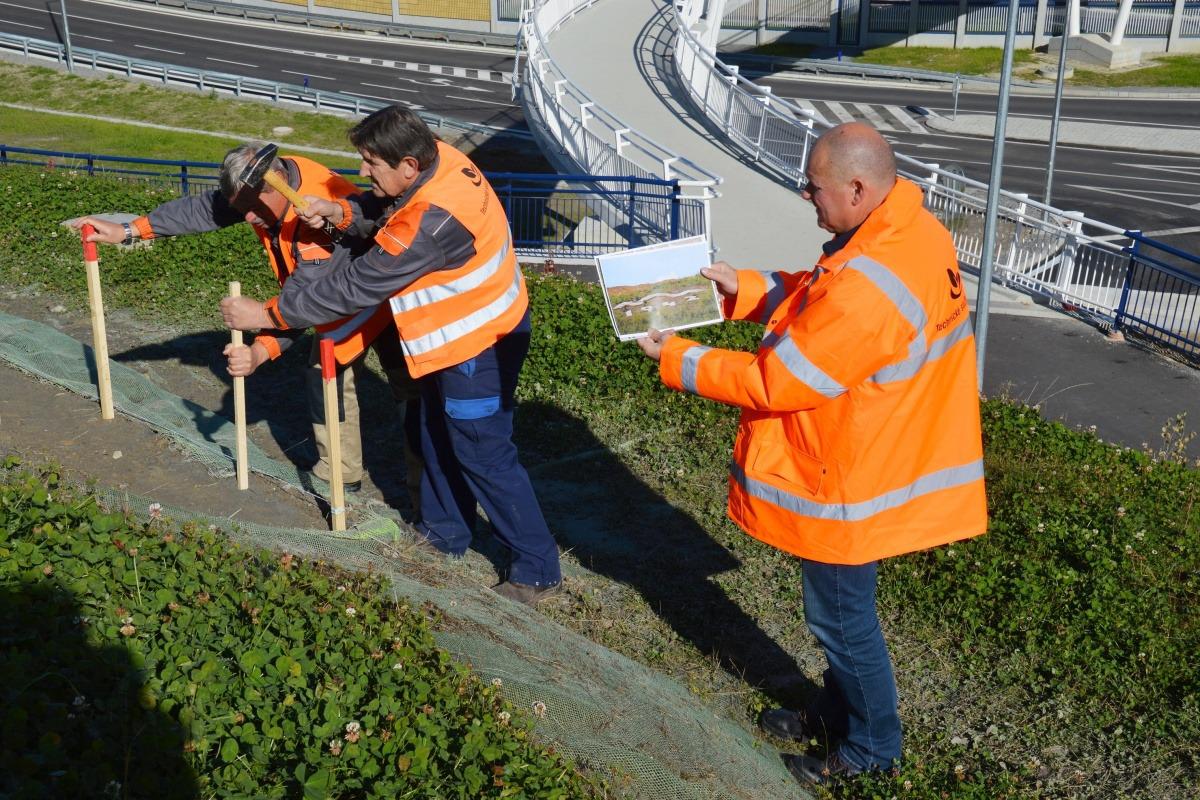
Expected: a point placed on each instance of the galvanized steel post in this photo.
(987, 258)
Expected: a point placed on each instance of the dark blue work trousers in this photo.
(858, 701)
(470, 457)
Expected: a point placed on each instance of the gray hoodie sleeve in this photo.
(198, 213)
(441, 242)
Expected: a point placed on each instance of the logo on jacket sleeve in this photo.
(473, 176)
(955, 283)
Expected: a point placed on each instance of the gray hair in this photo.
(234, 166)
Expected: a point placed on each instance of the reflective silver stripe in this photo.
(349, 326)
(407, 301)
(949, 478)
(468, 324)
(691, 360)
(804, 370)
(776, 293)
(909, 307)
(910, 366)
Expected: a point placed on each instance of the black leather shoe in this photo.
(791, 726)
(524, 593)
(820, 772)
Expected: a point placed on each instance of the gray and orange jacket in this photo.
(443, 259)
(860, 433)
(291, 247)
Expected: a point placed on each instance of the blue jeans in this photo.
(466, 441)
(858, 702)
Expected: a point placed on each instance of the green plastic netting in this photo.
(602, 709)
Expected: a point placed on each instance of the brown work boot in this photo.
(524, 593)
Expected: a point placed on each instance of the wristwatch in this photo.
(128, 233)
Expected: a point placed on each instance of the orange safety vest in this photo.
(351, 335)
(449, 316)
(860, 433)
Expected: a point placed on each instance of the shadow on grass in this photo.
(75, 721)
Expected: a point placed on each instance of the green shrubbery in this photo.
(157, 661)
(1076, 615)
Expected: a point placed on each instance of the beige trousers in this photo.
(403, 387)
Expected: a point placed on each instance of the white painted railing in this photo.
(1071, 260)
(581, 135)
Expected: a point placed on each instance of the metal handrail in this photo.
(535, 202)
(1041, 249)
(206, 80)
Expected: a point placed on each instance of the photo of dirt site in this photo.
(659, 287)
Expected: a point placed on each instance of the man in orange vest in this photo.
(443, 260)
(859, 436)
(292, 247)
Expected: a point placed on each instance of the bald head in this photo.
(850, 172)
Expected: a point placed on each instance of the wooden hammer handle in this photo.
(280, 185)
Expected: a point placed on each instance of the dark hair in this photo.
(394, 132)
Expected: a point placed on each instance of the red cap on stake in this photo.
(89, 248)
(327, 366)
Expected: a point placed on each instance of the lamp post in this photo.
(67, 37)
(1058, 93)
(993, 196)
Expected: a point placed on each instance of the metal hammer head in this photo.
(249, 183)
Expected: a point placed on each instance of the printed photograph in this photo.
(659, 286)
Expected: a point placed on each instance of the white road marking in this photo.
(97, 38)
(872, 117)
(24, 25)
(1132, 196)
(1172, 232)
(309, 75)
(392, 88)
(480, 100)
(413, 106)
(238, 63)
(159, 49)
(902, 116)
(1184, 168)
(839, 111)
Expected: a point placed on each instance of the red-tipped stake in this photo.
(99, 337)
(239, 406)
(337, 500)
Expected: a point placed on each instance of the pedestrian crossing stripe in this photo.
(884, 118)
(469, 73)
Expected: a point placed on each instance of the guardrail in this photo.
(341, 22)
(551, 216)
(1078, 264)
(579, 135)
(205, 80)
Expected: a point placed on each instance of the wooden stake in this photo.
(239, 406)
(337, 501)
(99, 337)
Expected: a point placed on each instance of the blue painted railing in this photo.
(552, 216)
(1160, 296)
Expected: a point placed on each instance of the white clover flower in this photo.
(539, 708)
(497, 682)
(398, 665)
(504, 717)
(351, 611)
(155, 511)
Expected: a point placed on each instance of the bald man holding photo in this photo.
(859, 436)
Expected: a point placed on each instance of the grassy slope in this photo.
(1029, 664)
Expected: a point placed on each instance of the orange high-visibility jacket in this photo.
(448, 316)
(860, 434)
(297, 242)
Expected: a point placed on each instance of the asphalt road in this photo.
(1158, 194)
(1137, 190)
(469, 84)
